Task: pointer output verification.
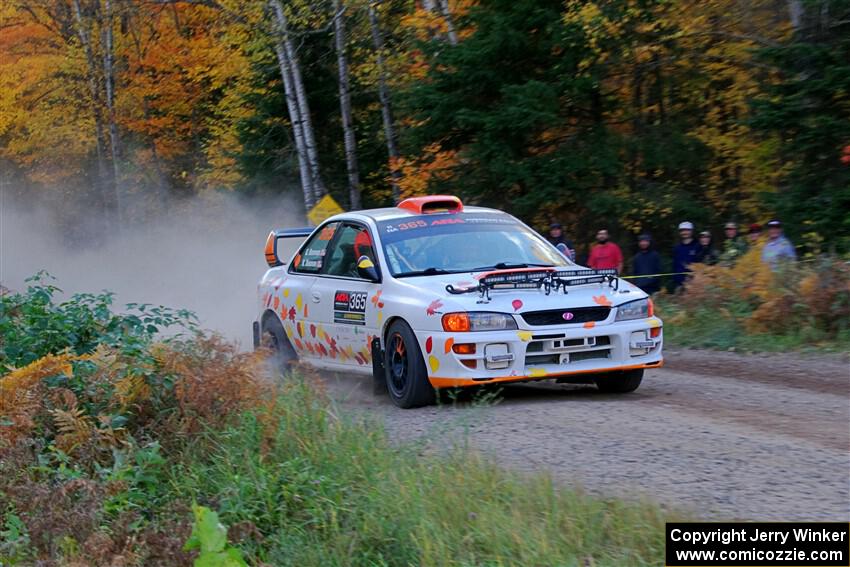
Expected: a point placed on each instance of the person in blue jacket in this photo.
(646, 262)
(685, 253)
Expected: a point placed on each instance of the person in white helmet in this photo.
(684, 253)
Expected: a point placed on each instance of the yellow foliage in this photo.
(131, 389)
(212, 382)
(20, 398)
(795, 297)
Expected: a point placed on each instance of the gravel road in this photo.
(716, 435)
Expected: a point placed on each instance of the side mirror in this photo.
(366, 269)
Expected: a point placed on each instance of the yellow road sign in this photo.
(324, 209)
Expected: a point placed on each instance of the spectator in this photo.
(707, 254)
(556, 236)
(605, 255)
(684, 253)
(734, 246)
(754, 234)
(646, 261)
(777, 248)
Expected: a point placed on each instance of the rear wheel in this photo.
(619, 382)
(273, 337)
(407, 378)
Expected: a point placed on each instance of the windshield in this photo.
(468, 242)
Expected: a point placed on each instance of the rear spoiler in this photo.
(272, 258)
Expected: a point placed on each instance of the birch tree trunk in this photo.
(386, 107)
(795, 12)
(441, 8)
(345, 108)
(447, 15)
(109, 85)
(107, 197)
(303, 106)
(294, 114)
(297, 130)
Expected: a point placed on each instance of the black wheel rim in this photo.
(398, 364)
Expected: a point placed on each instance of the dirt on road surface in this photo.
(717, 435)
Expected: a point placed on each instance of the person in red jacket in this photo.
(605, 255)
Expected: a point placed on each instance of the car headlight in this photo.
(478, 321)
(640, 309)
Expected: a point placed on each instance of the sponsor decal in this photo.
(350, 307)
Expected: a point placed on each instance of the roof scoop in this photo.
(432, 204)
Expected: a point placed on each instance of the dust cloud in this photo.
(204, 254)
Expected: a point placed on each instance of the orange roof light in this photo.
(432, 204)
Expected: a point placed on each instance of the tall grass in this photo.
(323, 490)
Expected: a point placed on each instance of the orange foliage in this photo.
(214, 381)
(418, 174)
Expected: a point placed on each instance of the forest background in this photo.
(630, 114)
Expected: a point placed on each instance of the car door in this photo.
(298, 313)
(345, 304)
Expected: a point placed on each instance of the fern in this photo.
(131, 389)
(74, 428)
(20, 399)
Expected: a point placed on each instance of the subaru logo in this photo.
(568, 316)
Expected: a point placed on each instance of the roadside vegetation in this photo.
(804, 305)
(126, 438)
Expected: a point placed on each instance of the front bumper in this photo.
(542, 352)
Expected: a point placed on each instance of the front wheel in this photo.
(619, 382)
(407, 378)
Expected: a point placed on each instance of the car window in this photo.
(351, 242)
(312, 256)
(462, 243)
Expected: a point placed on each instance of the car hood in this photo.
(521, 300)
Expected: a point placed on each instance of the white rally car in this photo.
(432, 294)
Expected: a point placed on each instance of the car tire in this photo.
(273, 337)
(619, 382)
(404, 367)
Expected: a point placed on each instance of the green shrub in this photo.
(33, 324)
(209, 537)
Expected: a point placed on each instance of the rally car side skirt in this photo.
(446, 382)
